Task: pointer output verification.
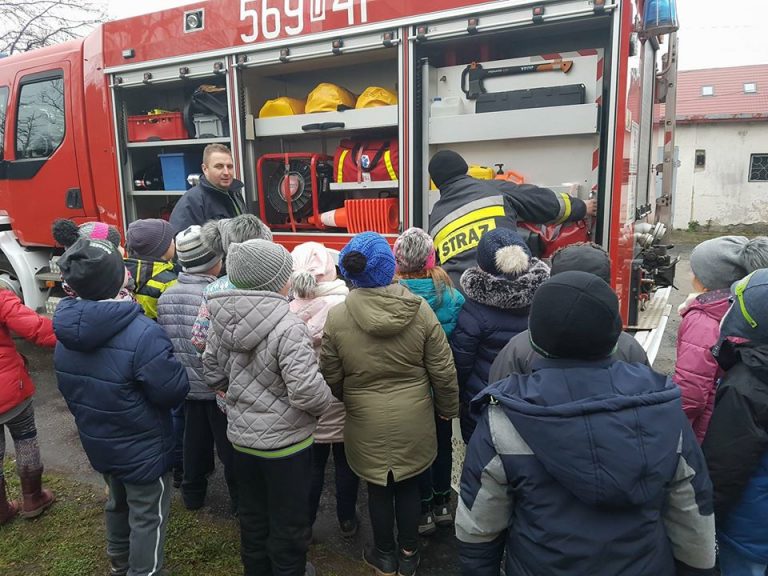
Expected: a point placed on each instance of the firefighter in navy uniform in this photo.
(468, 208)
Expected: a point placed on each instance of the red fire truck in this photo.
(559, 93)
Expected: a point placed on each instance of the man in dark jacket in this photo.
(587, 466)
(518, 355)
(468, 208)
(218, 195)
(116, 370)
(736, 444)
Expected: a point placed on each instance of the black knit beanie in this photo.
(94, 269)
(575, 315)
(445, 165)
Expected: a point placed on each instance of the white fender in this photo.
(26, 263)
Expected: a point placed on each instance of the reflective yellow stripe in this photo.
(480, 214)
(390, 169)
(567, 211)
(148, 304)
(340, 173)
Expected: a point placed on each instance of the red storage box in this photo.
(168, 126)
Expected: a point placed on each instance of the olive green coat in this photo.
(385, 355)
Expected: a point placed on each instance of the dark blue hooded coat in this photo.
(584, 469)
(116, 370)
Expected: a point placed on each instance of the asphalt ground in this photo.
(62, 452)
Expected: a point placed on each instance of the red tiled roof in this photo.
(729, 102)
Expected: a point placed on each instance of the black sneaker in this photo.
(427, 525)
(408, 563)
(349, 528)
(383, 563)
(118, 566)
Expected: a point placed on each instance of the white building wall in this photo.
(721, 191)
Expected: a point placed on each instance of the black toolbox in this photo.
(533, 98)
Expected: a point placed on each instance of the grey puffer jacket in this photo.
(177, 310)
(262, 355)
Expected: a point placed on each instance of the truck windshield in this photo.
(3, 108)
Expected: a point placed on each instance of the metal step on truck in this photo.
(559, 93)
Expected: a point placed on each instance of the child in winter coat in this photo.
(386, 357)
(261, 355)
(150, 261)
(587, 465)
(736, 444)
(417, 270)
(116, 370)
(715, 264)
(205, 426)
(316, 290)
(499, 292)
(218, 235)
(518, 356)
(66, 233)
(16, 411)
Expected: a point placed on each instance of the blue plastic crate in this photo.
(176, 167)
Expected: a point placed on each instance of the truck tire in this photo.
(8, 278)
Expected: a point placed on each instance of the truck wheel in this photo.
(8, 279)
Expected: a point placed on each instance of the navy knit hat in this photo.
(503, 252)
(575, 315)
(748, 315)
(149, 238)
(445, 165)
(367, 261)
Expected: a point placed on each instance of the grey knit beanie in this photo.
(414, 251)
(149, 238)
(719, 262)
(194, 256)
(259, 265)
(219, 234)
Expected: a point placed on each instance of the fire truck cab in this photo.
(559, 93)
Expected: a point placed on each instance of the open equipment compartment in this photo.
(159, 128)
(527, 124)
(297, 161)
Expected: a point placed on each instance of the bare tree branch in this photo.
(28, 24)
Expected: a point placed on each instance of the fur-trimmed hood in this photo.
(504, 293)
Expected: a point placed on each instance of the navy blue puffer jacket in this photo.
(116, 370)
(496, 310)
(585, 468)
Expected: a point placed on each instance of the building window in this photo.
(707, 90)
(758, 168)
(701, 158)
(750, 88)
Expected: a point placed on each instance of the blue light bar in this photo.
(660, 17)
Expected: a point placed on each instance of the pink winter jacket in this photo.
(314, 311)
(696, 370)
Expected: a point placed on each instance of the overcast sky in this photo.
(712, 34)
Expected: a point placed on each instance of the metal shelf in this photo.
(512, 124)
(187, 142)
(374, 185)
(157, 192)
(320, 123)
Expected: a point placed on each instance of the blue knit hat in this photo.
(503, 252)
(367, 261)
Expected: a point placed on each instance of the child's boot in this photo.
(442, 510)
(383, 563)
(8, 509)
(35, 499)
